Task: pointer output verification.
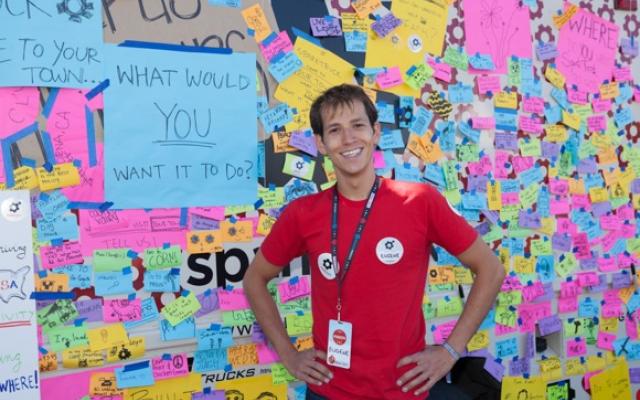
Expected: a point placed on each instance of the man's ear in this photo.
(320, 144)
(376, 132)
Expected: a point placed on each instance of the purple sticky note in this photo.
(587, 166)
(90, 309)
(550, 324)
(492, 216)
(529, 219)
(620, 280)
(548, 292)
(383, 26)
(506, 141)
(600, 287)
(634, 374)
(589, 263)
(550, 150)
(561, 242)
(600, 209)
(635, 186)
(209, 302)
(325, 26)
(200, 223)
(483, 228)
(520, 366)
(257, 335)
(212, 395)
(304, 141)
(530, 345)
(477, 183)
(477, 353)
(494, 368)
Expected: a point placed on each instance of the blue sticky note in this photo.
(209, 360)
(532, 175)
(184, 330)
(109, 283)
(79, 275)
(623, 117)
(285, 66)
(561, 97)
(275, 117)
(507, 348)
(410, 174)
(421, 121)
(260, 164)
(482, 62)
(134, 375)
(149, 313)
(460, 93)
(263, 104)
(63, 227)
(226, 3)
(467, 131)
(386, 112)
(506, 119)
(53, 205)
(161, 280)
(405, 112)
(186, 104)
(56, 44)
(553, 114)
(391, 139)
(474, 201)
(355, 41)
(434, 174)
(214, 338)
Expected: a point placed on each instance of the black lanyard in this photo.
(342, 272)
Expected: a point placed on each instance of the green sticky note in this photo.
(181, 308)
(56, 314)
(451, 174)
(298, 324)
(633, 245)
(529, 195)
(238, 209)
(63, 338)
(468, 152)
(514, 76)
(448, 307)
(519, 232)
(456, 58)
(505, 316)
(271, 198)
(429, 310)
(159, 258)
(494, 234)
(567, 265)
(583, 110)
(511, 298)
(566, 166)
(587, 149)
(441, 287)
(541, 247)
(419, 77)
(280, 375)
(238, 318)
(575, 327)
(302, 304)
(530, 147)
(558, 391)
(298, 166)
(110, 260)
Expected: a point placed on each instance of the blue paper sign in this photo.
(178, 132)
(51, 43)
(162, 280)
(110, 283)
(134, 375)
(184, 330)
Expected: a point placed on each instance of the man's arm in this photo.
(435, 361)
(302, 365)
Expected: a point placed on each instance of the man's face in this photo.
(349, 139)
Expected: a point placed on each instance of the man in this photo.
(368, 242)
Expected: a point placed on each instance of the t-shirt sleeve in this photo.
(447, 228)
(284, 242)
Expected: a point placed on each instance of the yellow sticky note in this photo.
(25, 178)
(256, 20)
(133, 348)
(265, 223)
(505, 316)
(298, 324)
(321, 70)
(304, 343)
(299, 166)
(524, 265)
(415, 146)
(614, 383)
(242, 354)
(609, 91)
(551, 368)
(175, 389)
(281, 142)
(104, 384)
(82, 357)
(252, 387)
(512, 386)
(598, 194)
(181, 308)
(107, 336)
(555, 77)
(560, 20)
(48, 362)
(352, 22)
(556, 133)
(575, 366)
(595, 363)
(52, 283)
(571, 120)
(463, 276)
(441, 275)
(494, 195)
(272, 198)
(204, 241)
(479, 340)
(506, 100)
(365, 7)
(239, 231)
(62, 175)
(431, 149)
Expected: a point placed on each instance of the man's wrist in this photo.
(454, 354)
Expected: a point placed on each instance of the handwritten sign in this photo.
(18, 378)
(186, 105)
(47, 43)
(587, 48)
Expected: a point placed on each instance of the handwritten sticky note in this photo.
(103, 384)
(327, 26)
(67, 337)
(209, 360)
(284, 65)
(238, 318)
(111, 283)
(107, 336)
(181, 308)
(131, 349)
(300, 167)
(82, 357)
(612, 383)
(170, 366)
(160, 257)
(232, 299)
(242, 355)
(184, 330)
(62, 175)
(216, 337)
(162, 280)
(121, 310)
(298, 324)
(56, 314)
(55, 256)
(294, 288)
(274, 44)
(365, 7)
(385, 25)
(388, 78)
(257, 21)
(134, 375)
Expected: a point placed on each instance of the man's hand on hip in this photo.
(432, 364)
(303, 365)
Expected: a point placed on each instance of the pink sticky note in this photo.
(483, 122)
(530, 124)
(56, 256)
(601, 106)
(266, 355)
(71, 386)
(441, 71)
(559, 206)
(575, 41)
(530, 314)
(568, 305)
(625, 212)
(67, 125)
(597, 123)
(501, 29)
(232, 300)
(501, 330)
(281, 42)
(502, 167)
(490, 83)
(378, 159)
(510, 198)
(91, 187)
(607, 264)
(533, 105)
(636, 94)
(576, 96)
(522, 163)
(480, 167)
(610, 222)
(170, 367)
(565, 225)
(605, 340)
(622, 74)
(96, 103)
(20, 107)
(588, 279)
(533, 291)
(632, 328)
(289, 290)
(581, 201)
(121, 310)
(569, 289)
(576, 347)
(612, 309)
(559, 187)
(216, 213)
(389, 78)
(442, 332)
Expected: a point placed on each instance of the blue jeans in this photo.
(440, 391)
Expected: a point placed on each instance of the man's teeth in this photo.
(352, 153)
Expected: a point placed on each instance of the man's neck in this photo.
(356, 187)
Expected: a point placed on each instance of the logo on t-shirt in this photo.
(339, 337)
(325, 264)
(389, 250)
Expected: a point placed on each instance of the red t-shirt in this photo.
(383, 290)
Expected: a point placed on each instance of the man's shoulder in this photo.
(409, 190)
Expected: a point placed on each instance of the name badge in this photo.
(339, 349)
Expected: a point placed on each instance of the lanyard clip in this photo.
(339, 308)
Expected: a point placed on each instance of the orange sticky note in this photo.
(240, 231)
(104, 384)
(204, 241)
(256, 20)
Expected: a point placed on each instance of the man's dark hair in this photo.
(340, 96)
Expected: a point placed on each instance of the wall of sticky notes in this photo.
(147, 148)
